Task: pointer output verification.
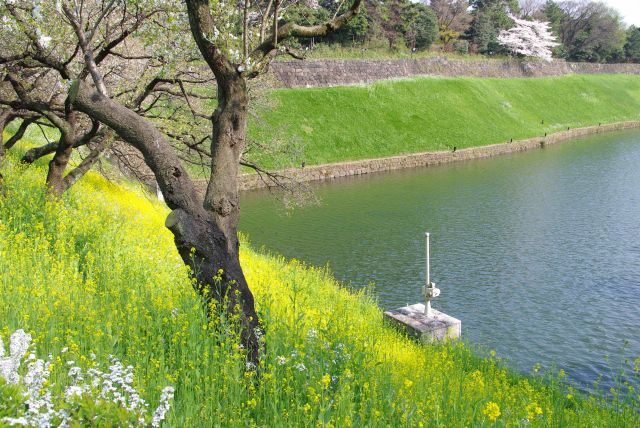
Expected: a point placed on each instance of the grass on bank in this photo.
(433, 113)
(374, 51)
(98, 273)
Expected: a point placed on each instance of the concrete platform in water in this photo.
(436, 326)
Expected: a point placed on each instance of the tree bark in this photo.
(60, 160)
(227, 144)
(222, 199)
(19, 133)
(174, 182)
(4, 116)
(204, 234)
(36, 153)
(78, 172)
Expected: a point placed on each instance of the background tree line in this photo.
(586, 30)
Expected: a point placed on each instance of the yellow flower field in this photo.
(97, 273)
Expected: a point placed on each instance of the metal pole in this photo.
(427, 246)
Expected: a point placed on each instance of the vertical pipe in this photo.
(427, 303)
(427, 258)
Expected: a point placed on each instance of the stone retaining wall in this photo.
(345, 169)
(301, 74)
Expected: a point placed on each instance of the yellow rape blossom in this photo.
(491, 410)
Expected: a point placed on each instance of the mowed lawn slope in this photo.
(432, 113)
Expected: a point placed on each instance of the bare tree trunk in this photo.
(78, 172)
(222, 203)
(4, 116)
(61, 158)
(264, 20)
(19, 133)
(36, 153)
(222, 198)
(276, 12)
(205, 236)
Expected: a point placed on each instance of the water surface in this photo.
(537, 253)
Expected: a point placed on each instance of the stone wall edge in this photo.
(249, 181)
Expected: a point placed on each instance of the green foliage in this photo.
(553, 14)
(484, 33)
(489, 17)
(353, 32)
(422, 26)
(302, 14)
(590, 31)
(632, 46)
(425, 114)
(461, 47)
(488, 4)
(11, 402)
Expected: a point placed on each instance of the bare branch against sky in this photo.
(629, 10)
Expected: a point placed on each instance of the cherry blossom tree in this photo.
(529, 38)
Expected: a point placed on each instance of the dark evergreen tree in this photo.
(632, 46)
(489, 17)
(422, 26)
(553, 14)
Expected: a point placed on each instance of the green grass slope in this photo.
(97, 273)
(407, 116)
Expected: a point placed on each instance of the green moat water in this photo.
(537, 253)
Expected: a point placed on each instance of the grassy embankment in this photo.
(98, 273)
(428, 114)
(322, 52)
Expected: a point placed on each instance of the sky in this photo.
(629, 9)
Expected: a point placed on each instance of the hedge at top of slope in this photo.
(325, 125)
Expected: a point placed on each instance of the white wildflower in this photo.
(300, 366)
(114, 386)
(257, 331)
(74, 391)
(281, 360)
(76, 373)
(19, 343)
(163, 407)
(16, 421)
(9, 366)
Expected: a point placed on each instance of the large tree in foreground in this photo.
(237, 40)
(215, 237)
